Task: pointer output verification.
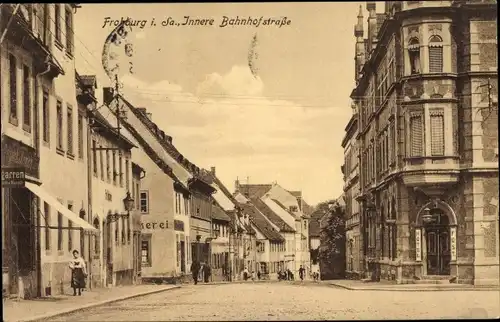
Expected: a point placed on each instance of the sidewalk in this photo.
(44, 308)
(356, 285)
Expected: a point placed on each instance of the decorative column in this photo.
(453, 243)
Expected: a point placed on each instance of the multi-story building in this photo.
(292, 203)
(315, 238)
(426, 83)
(47, 214)
(350, 170)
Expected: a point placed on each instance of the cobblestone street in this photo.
(285, 301)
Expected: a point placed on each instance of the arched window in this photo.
(96, 237)
(414, 55)
(435, 54)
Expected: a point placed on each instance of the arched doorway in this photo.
(437, 238)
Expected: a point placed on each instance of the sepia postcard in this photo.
(255, 161)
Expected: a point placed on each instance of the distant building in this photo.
(426, 82)
(350, 171)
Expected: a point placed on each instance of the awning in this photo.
(45, 196)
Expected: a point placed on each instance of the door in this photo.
(183, 256)
(438, 246)
(107, 259)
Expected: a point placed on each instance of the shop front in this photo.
(20, 248)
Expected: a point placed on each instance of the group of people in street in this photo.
(203, 268)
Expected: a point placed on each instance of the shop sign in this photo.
(155, 225)
(453, 246)
(178, 225)
(13, 177)
(418, 245)
(18, 154)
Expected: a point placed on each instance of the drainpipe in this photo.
(39, 278)
(89, 198)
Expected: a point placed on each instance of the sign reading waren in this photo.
(13, 177)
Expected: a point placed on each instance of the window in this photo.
(416, 139)
(26, 98)
(437, 133)
(123, 231)
(293, 208)
(58, 22)
(392, 142)
(114, 167)
(146, 250)
(70, 231)
(144, 199)
(101, 162)
(94, 157)
(108, 167)
(59, 125)
(97, 246)
(137, 197)
(435, 55)
(127, 177)
(414, 55)
(69, 113)
(59, 231)
(128, 230)
(13, 86)
(46, 120)
(46, 214)
(69, 31)
(120, 170)
(80, 136)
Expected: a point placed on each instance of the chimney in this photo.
(212, 170)
(107, 95)
(236, 185)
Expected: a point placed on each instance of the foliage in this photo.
(332, 250)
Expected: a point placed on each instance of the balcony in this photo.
(435, 172)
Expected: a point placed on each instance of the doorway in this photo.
(107, 256)
(183, 256)
(22, 243)
(438, 244)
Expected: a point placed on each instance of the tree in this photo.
(332, 249)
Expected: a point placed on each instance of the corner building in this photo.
(426, 91)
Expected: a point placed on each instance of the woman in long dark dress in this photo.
(78, 273)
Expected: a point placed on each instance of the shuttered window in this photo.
(437, 133)
(436, 59)
(416, 135)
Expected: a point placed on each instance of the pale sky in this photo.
(284, 125)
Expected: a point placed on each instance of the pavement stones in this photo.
(45, 308)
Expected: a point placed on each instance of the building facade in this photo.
(426, 85)
(350, 170)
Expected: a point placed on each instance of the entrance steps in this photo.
(434, 279)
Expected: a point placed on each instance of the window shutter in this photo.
(416, 135)
(437, 133)
(436, 59)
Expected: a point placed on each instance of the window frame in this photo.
(147, 201)
(13, 99)
(146, 238)
(80, 125)
(69, 131)
(436, 42)
(437, 113)
(59, 232)
(27, 96)
(57, 24)
(46, 116)
(414, 56)
(70, 228)
(46, 213)
(59, 125)
(70, 42)
(411, 135)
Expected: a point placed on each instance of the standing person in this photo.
(301, 272)
(245, 274)
(207, 271)
(195, 270)
(78, 273)
(253, 275)
(258, 275)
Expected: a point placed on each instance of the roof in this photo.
(223, 188)
(219, 214)
(284, 208)
(254, 190)
(261, 223)
(306, 208)
(166, 143)
(296, 194)
(272, 216)
(111, 129)
(380, 20)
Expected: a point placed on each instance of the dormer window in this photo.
(435, 54)
(414, 55)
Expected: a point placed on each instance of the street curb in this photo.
(434, 289)
(96, 304)
(234, 282)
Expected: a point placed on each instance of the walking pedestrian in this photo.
(258, 275)
(253, 275)
(207, 271)
(301, 272)
(195, 270)
(245, 274)
(78, 273)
